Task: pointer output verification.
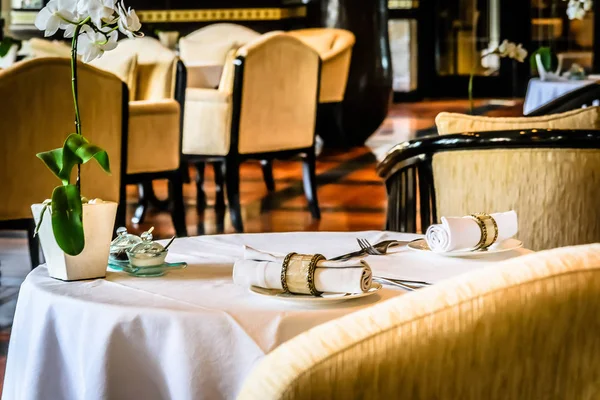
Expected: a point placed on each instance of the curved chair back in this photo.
(155, 70)
(211, 43)
(584, 96)
(335, 49)
(516, 330)
(275, 93)
(37, 115)
(551, 178)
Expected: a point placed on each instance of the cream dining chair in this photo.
(156, 80)
(526, 328)
(37, 115)
(204, 52)
(335, 49)
(264, 108)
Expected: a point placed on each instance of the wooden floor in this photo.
(352, 197)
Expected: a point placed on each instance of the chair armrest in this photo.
(154, 136)
(341, 46)
(207, 95)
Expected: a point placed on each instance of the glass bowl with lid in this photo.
(119, 246)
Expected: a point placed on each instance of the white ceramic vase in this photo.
(91, 263)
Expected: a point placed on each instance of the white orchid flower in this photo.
(129, 22)
(98, 10)
(92, 44)
(512, 50)
(58, 14)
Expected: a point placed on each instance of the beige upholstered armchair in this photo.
(37, 115)
(156, 80)
(335, 48)
(204, 52)
(264, 108)
(526, 328)
(550, 177)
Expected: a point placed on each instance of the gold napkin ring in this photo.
(298, 273)
(488, 225)
(284, 268)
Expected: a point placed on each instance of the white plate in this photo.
(506, 245)
(305, 299)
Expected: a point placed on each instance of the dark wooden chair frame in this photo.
(174, 203)
(407, 169)
(581, 97)
(227, 168)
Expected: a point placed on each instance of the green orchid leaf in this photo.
(67, 219)
(54, 161)
(6, 44)
(547, 59)
(78, 150)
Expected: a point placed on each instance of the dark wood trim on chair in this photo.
(33, 243)
(413, 159)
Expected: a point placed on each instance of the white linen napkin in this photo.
(463, 233)
(264, 270)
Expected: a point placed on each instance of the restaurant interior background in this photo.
(411, 60)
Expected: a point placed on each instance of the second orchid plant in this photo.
(93, 26)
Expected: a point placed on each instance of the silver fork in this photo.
(368, 247)
(383, 246)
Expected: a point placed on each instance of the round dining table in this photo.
(190, 334)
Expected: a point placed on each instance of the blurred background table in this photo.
(541, 92)
(191, 334)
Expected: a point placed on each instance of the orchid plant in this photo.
(506, 49)
(92, 25)
(576, 9)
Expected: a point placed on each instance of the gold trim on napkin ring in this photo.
(284, 268)
(489, 226)
(483, 230)
(300, 273)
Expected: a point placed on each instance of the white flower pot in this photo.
(91, 263)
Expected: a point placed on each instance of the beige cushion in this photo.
(153, 144)
(526, 328)
(583, 118)
(192, 52)
(207, 122)
(222, 33)
(49, 48)
(125, 68)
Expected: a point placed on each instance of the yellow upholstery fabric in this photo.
(37, 115)
(211, 43)
(583, 118)
(555, 192)
(153, 144)
(49, 48)
(154, 115)
(125, 68)
(335, 48)
(156, 66)
(279, 94)
(278, 108)
(526, 328)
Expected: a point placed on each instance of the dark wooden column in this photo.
(369, 87)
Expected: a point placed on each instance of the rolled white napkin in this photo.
(264, 270)
(463, 233)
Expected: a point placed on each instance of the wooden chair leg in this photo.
(267, 169)
(309, 180)
(200, 195)
(232, 179)
(177, 204)
(219, 185)
(140, 211)
(34, 245)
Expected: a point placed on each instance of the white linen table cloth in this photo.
(205, 76)
(542, 92)
(191, 334)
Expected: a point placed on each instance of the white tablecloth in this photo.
(542, 92)
(205, 76)
(191, 334)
